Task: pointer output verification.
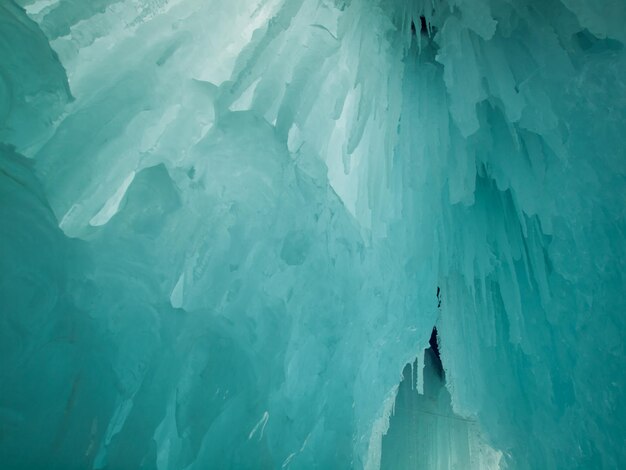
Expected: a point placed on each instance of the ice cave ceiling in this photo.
(228, 229)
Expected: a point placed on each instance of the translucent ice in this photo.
(223, 225)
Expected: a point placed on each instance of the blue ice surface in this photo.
(223, 225)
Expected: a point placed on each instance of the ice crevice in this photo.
(222, 226)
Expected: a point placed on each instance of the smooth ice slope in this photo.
(223, 224)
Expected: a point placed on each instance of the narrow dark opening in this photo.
(423, 25)
(434, 345)
(434, 352)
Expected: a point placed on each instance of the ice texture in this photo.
(223, 225)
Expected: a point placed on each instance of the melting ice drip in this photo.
(222, 224)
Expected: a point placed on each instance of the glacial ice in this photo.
(223, 225)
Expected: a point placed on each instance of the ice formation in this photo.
(424, 432)
(223, 224)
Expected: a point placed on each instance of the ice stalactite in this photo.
(226, 217)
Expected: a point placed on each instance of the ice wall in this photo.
(224, 224)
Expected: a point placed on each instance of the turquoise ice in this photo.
(226, 227)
